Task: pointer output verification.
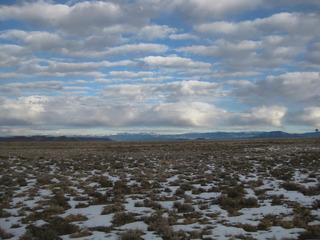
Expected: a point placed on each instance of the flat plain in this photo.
(201, 189)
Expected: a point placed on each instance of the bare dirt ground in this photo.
(240, 189)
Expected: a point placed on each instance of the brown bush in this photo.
(83, 233)
(112, 208)
(51, 231)
(75, 218)
(132, 234)
(5, 235)
(183, 207)
(161, 226)
(121, 218)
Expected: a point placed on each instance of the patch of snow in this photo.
(93, 213)
(6, 224)
(225, 232)
(166, 204)
(265, 210)
(135, 225)
(111, 178)
(314, 223)
(151, 236)
(295, 196)
(188, 227)
(278, 233)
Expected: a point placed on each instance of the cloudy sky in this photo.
(101, 67)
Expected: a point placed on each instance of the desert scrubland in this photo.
(236, 189)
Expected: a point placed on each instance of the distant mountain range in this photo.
(160, 137)
(209, 135)
(52, 139)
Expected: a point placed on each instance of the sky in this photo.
(164, 66)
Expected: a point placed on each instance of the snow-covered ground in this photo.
(257, 189)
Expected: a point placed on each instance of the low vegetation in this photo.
(239, 189)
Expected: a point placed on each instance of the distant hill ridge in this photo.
(280, 134)
(52, 139)
(160, 137)
(209, 135)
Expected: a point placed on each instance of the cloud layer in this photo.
(193, 65)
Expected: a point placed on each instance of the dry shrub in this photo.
(56, 227)
(131, 234)
(4, 213)
(75, 218)
(196, 235)
(121, 218)
(313, 232)
(316, 204)
(186, 187)
(21, 181)
(183, 207)
(277, 199)
(6, 180)
(282, 173)
(197, 191)
(232, 205)
(250, 202)
(245, 237)
(247, 227)
(105, 229)
(161, 226)
(228, 203)
(44, 215)
(82, 205)
(311, 191)
(16, 225)
(120, 187)
(254, 184)
(148, 203)
(179, 192)
(102, 180)
(260, 192)
(193, 214)
(266, 222)
(291, 186)
(112, 208)
(60, 200)
(5, 235)
(287, 224)
(45, 180)
(236, 192)
(83, 233)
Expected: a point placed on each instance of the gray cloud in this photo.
(151, 32)
(12, 55)
(174, 61)
(96, 46)
(289, 88)
(259, 116)
(270, 50)
(211, 9)
(309, 116)
(284, 22)
(165, 92)
(77, 19)
(197, 10)
(93, 112)
(38, 87)
(177, 104)
(127, 74)
(87, 112)
(49, 68)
